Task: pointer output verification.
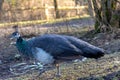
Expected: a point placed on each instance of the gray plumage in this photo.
(56, 47)
(53, 48)
(62, 45)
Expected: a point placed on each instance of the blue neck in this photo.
(24, 47)
(20, 40)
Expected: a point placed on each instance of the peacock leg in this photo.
(58, 70)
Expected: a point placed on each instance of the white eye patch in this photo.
(17, 35)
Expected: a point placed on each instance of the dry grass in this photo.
(100, 69)
(105, 68)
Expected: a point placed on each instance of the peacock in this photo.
(55, 48)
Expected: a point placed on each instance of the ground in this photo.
(105, 68)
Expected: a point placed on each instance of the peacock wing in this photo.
(56, 45)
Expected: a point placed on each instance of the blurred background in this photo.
(94, 21)
(24, 10)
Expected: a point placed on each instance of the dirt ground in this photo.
(106, 68)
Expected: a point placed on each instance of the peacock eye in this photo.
(15, 33)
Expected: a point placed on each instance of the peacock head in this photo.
(15, 35)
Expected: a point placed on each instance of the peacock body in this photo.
(50, 48)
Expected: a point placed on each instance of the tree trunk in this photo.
(90, 8)
(105, 12)
(1, 3)
(56, 9)
(98, 18)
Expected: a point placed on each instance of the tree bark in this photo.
(56, 9)
(1, 4)
(90, 8)
(104, 14)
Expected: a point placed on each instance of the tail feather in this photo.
(88, 50)
(93, 52)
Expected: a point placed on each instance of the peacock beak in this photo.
(12, 43)
(10, 37)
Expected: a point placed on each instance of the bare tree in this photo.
(1, 3)
(106, 14)
(56, 9)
